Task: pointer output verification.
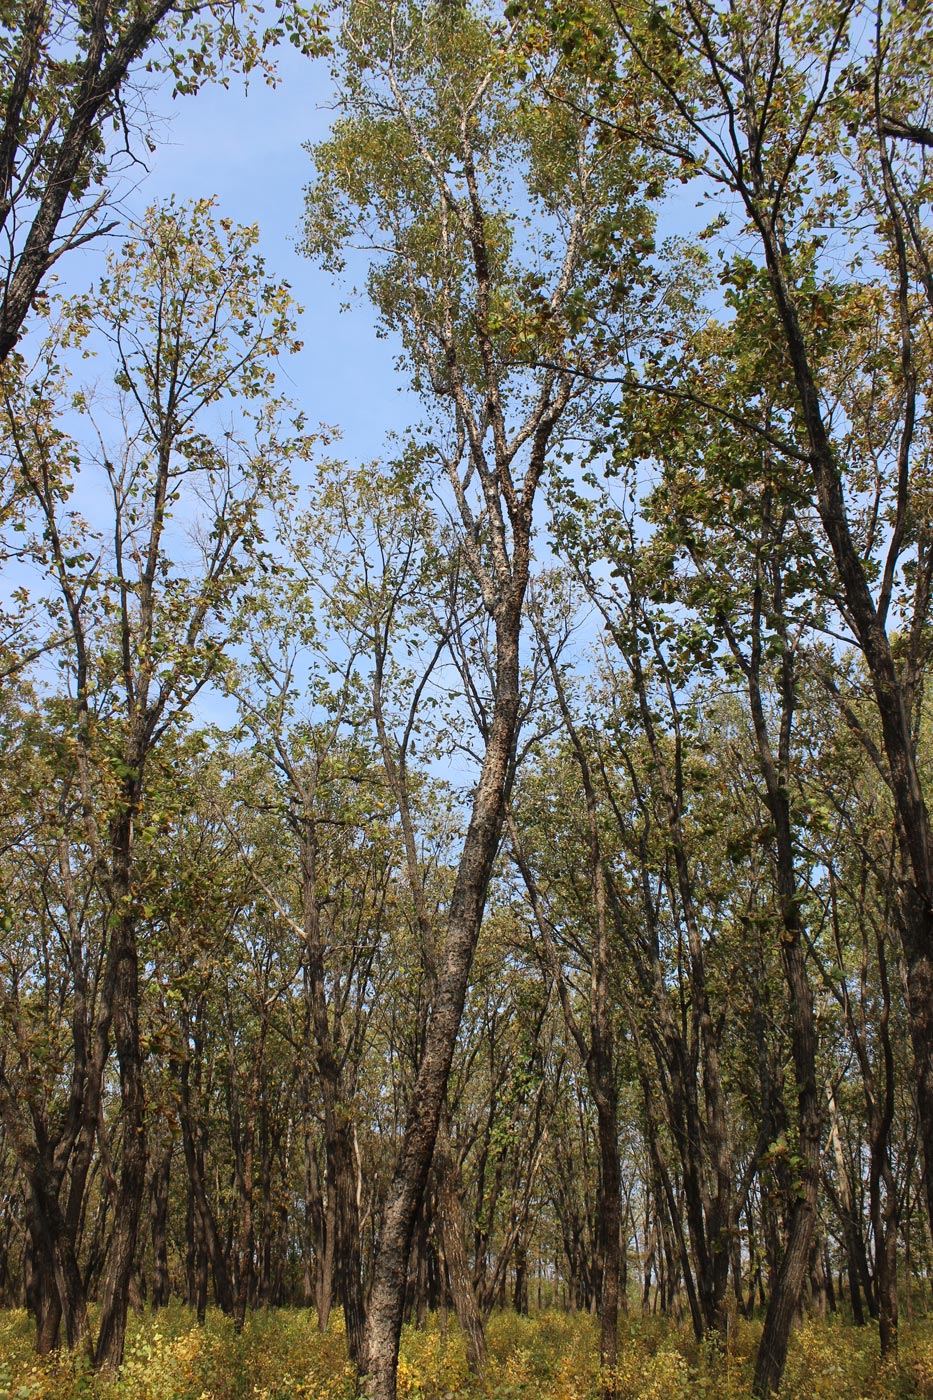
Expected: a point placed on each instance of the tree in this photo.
(66, 78)
(302, 706)
(433, 150)
(191, 324)
(596, 1043)
(801, 122)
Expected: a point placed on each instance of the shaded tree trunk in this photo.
(206, 1238)
(159, 1225)
(133, 1161)
(453, 1237)
(792, 1274)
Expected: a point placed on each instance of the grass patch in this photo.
(550, 1356)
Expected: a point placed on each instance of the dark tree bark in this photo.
(133, 1159)
(161, 1283)
(205, 1236)
(894, 691)
(453, 1240)
(745, 157)
(103, 68)
(775, 769)
(57, 1288)
(320, 1235)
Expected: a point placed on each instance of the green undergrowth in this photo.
(549, 1356)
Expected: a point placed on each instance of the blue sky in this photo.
(247, 149)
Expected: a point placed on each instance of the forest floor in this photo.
(548, 1356)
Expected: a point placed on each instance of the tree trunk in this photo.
(384, 1321)
(520, 1291)
(450, 1221)
(206, 1226)
(609, 1219)
(61, 1293)
(891, 700)
(159, 1223)
(775, 767)
(132, 1188)
(792, 1274)
(348, 1259)
(886, 1273)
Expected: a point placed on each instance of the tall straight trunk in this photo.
(893, 698)
(129, 1202)
(886, 1274)
(453, 1238)
(384, 1320)
(669, 1221)
(244, 1245)
(916, 927)
(828, 1275)
(242, 1102)
(609, 1222)
(695, 1100)
(711, 1216)
(159, 1227)
(792, 1274)
(596, 1049)
(349, 1262)
(319, 1236)
(520, 1291)
(652, 1233)
(206, 1232)
(794, 1268)
(817, 1277)
(201, 1272)
(131, 1192)
(884, 1217)
(846, 1212)
(190, 1249)
(344, 1254)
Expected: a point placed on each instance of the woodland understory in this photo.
(280, 1355)
(478, 901)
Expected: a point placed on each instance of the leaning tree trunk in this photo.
(384, 1320)
(892, 700)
